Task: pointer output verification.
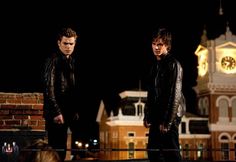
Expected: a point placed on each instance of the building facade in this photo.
(216, 91)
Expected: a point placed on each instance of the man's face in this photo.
(67, 45)
(159, 48)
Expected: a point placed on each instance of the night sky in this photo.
(114, 47)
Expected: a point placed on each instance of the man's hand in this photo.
(146, 124)
(59, 119)
(163, 128)
(76, 116)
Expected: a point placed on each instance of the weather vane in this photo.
(220, 9)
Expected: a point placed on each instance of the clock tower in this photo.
(216, 91)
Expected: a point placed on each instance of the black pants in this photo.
(57, 135)
(163, 147)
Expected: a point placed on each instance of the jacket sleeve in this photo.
(176, 75)
(51, 107)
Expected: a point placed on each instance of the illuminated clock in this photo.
(228, 63)
(203, 65)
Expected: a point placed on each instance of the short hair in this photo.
(67, 32)
(165, 35)
(39, 151)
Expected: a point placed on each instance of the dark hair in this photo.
(39, 151)
(164, 34)
(67, 32)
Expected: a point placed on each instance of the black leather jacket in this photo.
(60, 85)
(165, 101)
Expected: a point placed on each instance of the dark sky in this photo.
(114, 44)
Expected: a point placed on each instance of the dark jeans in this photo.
(163, 147)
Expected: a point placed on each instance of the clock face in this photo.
(228, 63)
(203, 65)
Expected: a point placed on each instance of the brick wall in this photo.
(21, 111)
(21, 121)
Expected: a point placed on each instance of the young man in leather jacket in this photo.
(165, 101)
(60, 82)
